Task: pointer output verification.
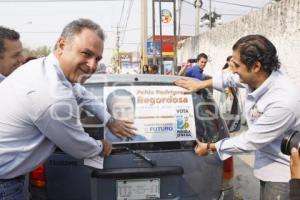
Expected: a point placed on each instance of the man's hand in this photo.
(122, 128)
(107, 147)
(295, 164)
(201, 148)
(182, 69)
(193, 85)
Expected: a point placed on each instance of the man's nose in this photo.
(234, 69)
(92, 63)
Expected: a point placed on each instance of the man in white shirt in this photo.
(39, 110)
(10, 51)
(272, 108)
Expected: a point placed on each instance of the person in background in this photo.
(40, 108)
(153, 69)
(145, 69)
(10, 51)
(295, 175)
(227, 65)
(195, 71)
(229, 102)
(29, 58)
(272, 106)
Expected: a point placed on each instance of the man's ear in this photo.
(256, 66)
(60, 45)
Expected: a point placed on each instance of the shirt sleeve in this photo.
(189, 72)
(223, 79)
(60, 123)
(88, 101)
(271, 125)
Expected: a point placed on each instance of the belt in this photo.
(10, 179)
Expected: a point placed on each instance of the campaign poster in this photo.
(160, 113)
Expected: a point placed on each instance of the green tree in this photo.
(38, 52)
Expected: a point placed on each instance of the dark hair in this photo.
(118, 93)
(7, 34)
(257, 48)
(75, 27)
(202, 55)
(29, 58)
(153, 67)
(145, 71)
(226, 64)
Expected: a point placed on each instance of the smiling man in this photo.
(272, 107)
(10, 51)
(40, 108)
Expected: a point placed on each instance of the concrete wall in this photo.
(279, 22)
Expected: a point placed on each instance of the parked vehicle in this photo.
(162, 166)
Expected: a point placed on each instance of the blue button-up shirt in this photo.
(39, 111)
(271, 110)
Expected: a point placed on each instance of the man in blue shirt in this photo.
(272, 107)
(195, 71)
(10, 51)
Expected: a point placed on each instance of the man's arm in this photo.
(219, 81)
(295, 174)
(193, 85)
(182, 70)
(88, 101)
(60, 123)
(295, 164)
(268, 127)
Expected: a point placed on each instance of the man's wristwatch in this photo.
(208, 148)
(110, 121)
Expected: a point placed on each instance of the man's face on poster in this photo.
(123, 108)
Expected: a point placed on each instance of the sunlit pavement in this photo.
(246, 186)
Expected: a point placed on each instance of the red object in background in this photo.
(37, 176)
(168, 41)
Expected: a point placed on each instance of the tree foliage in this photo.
(38, 52)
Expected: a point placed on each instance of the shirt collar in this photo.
(51, 58)
(198, 68)
(2, 77)
(264, 87)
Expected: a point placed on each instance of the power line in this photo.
(230, 14)
(23, 1)
(122, 11)
(236, 4)
(127, 18)
(224, 2)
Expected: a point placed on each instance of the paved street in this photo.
(246, 186)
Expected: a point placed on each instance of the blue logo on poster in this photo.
(180, 122)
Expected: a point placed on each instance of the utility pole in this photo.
(161, 40)
(210, 16)
(179, 17)
(175, 39)
(153, 34)
(118, 50)
(144, 32)
(197, 4)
